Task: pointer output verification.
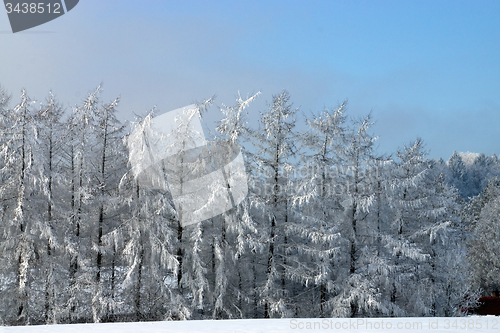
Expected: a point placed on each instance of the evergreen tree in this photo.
(235, 233)
(80, 169)
(426, 221)
(483, 243)
(407, 201)
(358, 295)
(110, 161)
(50, 130)
(459, 174)
(151, 241)
(441, 237)
(275, 148)
(21, 217)
(318, 240)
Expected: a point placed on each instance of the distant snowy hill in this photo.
(421, 325)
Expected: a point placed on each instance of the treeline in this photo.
(471, 172)
(329, 227)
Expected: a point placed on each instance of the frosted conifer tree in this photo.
(275, 148)
(485, 247)
(50, 130)
(378, 253)
(357, 295)
(483, 243)
(319, 239)
(22, 220)
(191, 280)
(472, 210)
(235, 231)
(150, 283)
(110, 160)
(424, 208)
(440, 235)
(80, 170)
(459, 174)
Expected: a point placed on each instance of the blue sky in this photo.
(423, 68)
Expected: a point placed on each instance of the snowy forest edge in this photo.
(329, 228)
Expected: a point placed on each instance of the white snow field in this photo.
(422, 325)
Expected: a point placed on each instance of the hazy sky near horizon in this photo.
(423, 68)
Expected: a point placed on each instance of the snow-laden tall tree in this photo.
(232, 233)
(407, 196)
(357, 294)
(318, 230)
(406, 199)
(150, 285)
(425, 210)
(377, 238)
(187, 246)
(5, 123)
(50, 134)
(22, 219)
(192, 280)
(275, 146)
(440, 235)
(80, 170)
(110, 160)
(4, 103)
(482, 216)
(152, 241)
(459, 174)
(485, 249)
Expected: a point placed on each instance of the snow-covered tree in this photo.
(485, 249)
(184, 244)
(407, 199)
(319, 207)
(22, 220)
(81, 167)
(233, 233)
(379, 258)
(50, 134)
(459, 174)
(357, 295)
(425, 218)
(470, 172)
(482, 215)
(150, 240)
(441, 236)
(275, 146)
(110, 160)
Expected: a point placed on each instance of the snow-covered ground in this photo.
(423, 325)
